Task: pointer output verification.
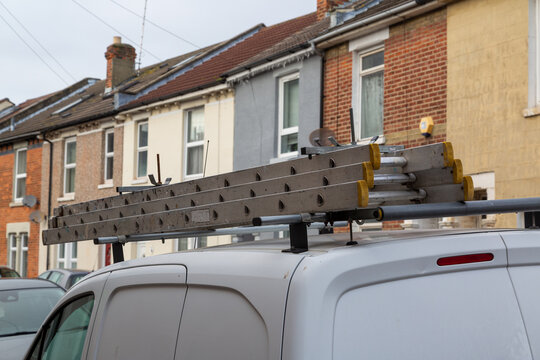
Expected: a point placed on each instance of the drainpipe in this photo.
(321, 105)
(42, 136)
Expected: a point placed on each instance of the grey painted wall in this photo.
(256, 112)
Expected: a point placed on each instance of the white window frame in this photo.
(17, 175)
(68, 260)
(281, 104)
(70, 165)
(141, 149)
(188, 145)
(19, 249)
(108, 156)
(360, 74)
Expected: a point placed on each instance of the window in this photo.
(20, 174)
(18, 252)
(142, 149)
(109, 155)
(194, 140)
(192, 243)
(70, 158)
(67, 256)
(288, 115)
(371, 91)
(64, 335)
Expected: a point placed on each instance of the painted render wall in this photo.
(166, 137)
(256, 112)
(487, 93)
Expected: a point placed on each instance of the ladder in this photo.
(357, 177)
(342, 185)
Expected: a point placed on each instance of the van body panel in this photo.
(250, 284)
(139, 313)
(467, 315)
(320, 282)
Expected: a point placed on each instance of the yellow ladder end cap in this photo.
(468, 188)
(368, 174)
(363, 193)
(448, 153)
(457, 171)
(375, 156)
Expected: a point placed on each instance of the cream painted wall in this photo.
(166, 138)
(487, 93)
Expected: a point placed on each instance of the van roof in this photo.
(318, 245)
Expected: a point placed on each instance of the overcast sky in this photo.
(78, 40)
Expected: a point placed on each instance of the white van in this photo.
(394, 295)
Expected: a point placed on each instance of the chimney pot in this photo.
(117, 39)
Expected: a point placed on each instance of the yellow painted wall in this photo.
(487, 93)
(165, 137)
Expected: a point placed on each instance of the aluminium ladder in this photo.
(357, 179)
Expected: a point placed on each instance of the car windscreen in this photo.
(23, 310)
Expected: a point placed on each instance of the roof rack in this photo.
(350, 183)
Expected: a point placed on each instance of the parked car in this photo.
(7, 272)
(24, 304)
(66, 278)
(461, 294)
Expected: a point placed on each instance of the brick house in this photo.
(21, 208)
(387, 60)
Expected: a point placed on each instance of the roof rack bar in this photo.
(217, 232)
(465, 208)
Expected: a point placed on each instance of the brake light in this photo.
(464, 259)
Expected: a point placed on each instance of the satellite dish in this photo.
(320, 137)
(37, 216)
(29, 200)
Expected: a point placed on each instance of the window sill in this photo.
(531, 112)
(381, 141)
(105, 186)
(16, 204)
(139, 181)
(284, 158)
(67, 197)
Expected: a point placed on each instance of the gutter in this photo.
(378, 21)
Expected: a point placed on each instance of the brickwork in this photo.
(11, 212)
(89, 174)
(324, 6)
(338, 91)
(120, 63)
(415, 80)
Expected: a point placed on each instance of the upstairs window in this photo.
(70, 157)
(109, 155)
(194, 143)
(371, 89)
(288, 115)
(20, 174)
(142, 149)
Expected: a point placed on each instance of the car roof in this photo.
(18, 283)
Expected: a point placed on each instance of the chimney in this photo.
(120, 63)
(5, 103)
(326, 6)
